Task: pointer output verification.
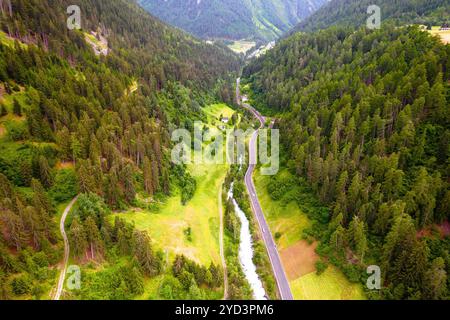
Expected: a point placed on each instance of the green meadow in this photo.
(168, 223)
(287, 222)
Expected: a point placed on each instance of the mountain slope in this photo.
(90, 112)
(354, 13)
(233, 19)
(366, 125)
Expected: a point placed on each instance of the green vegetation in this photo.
(443, 34)
(186, 222)
(242, 46)
(330, 285)
(283, 213)
(354, 13)
(263, 20)
(70, 125)
(366, 128)
(290, 210)
(260, 258)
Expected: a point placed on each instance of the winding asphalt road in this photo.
(272, 250)
(62, 276)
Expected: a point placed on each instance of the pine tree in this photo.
(155, 176)
(77, 237)
(128, 182)
(93, 237)
(358, 240)
(45, 172)
(144, 254)
(421, 199)
(123, 242)
(17, 108)
(4, 292)
(17, 236)
(3, 110)
(86, 181)
(111, 190)
(435, 281)
(337, 239)
(148, 176)
(76, 148)
(40, 199)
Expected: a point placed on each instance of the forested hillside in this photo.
(366, 124)
(76, 120)
(262, 20)
(354, 13)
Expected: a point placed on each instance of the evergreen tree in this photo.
(3, 110)
(45, 172)
(435, 280)
(127, 177)
(148, 176)
(358, 237)
(17, 108)
(93, 237)
(77, 237)
(144, 254)
(40, 199)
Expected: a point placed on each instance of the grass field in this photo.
(242, 46)
(445, 34)
(331, 285)
(297, 255)
(214, 111)
(167, 226)
(288, 220)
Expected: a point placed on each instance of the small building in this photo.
(225, 120)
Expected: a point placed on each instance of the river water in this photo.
(246, 252)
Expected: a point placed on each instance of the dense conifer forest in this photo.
(365, 122)
(354, 13)
(86, 117)
(76, 121)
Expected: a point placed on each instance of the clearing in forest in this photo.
(287, 222)
(169, 224)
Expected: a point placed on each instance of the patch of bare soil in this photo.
(443, 230)
(299, 259)
(65, 165)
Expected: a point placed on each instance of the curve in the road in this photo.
(66, 249)
(272, 250)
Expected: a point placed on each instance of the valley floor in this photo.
(167, 224)
(287, 223)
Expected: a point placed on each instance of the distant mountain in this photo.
(233, 19)
(354, 13)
